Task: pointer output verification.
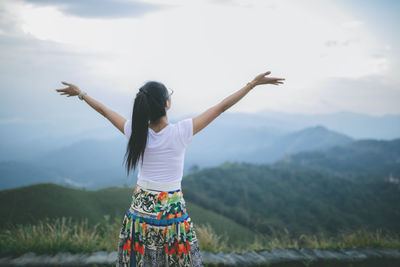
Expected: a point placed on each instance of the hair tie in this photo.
(143, 91)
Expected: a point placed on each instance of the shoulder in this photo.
(185, 130)
(128, 128)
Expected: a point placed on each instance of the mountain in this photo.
(25, 141)
(18, 173)
(84, 162)
(355, 125)
(257, 145)
(266, 199)
(239, 200)
(96, 164)
(312, 138)
(38, 138)
(367, 158)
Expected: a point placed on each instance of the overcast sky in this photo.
(335, 55)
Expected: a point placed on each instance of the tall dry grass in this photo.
(209, 240)
(62, 235)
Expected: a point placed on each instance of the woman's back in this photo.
(163, 159)
(157, 230)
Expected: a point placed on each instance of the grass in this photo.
(60, 235)
(39, 201)
(63, 235)
(345, 239)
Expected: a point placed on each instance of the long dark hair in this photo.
(149, 106)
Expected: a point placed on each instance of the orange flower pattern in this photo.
(157, 231)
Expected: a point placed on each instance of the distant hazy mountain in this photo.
(355, 125)
(255, 141)
(26, 140)
(16, 173)
(313, 138)
(369, 158)
(255, 138)
(96, 164)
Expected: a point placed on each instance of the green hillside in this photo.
(308, 194)
(29, 204)
(265, 199)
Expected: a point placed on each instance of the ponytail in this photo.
(149, 106)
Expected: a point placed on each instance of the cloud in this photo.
(370, 94)
(9, 23)
(248, 4)
(354, 24)
(31, 69)
(333, 43)
(105, 9)
(160, 46)
(224, 2)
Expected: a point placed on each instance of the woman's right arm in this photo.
(116, 119)
(202, 120)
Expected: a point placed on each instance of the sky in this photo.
(334, 55)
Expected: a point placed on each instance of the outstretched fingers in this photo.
(278, 81)
(64, 89)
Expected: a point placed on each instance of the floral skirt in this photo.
(157, 231)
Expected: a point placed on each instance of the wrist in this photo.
(251, 84)
(81, 94)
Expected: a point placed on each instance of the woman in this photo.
(157, 230)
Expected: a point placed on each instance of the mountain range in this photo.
(254, 138)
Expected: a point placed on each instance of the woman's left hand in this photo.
(71, 90)
(261, 79)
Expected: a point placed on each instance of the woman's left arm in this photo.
(116, 119)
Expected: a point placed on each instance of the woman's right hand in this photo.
(71, 90)
(261, 79)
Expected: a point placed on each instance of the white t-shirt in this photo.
(164, 154)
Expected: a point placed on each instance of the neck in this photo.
(161, 122)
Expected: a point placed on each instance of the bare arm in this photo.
(202, 120)
(116, 119)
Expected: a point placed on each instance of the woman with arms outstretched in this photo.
(157, 230)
